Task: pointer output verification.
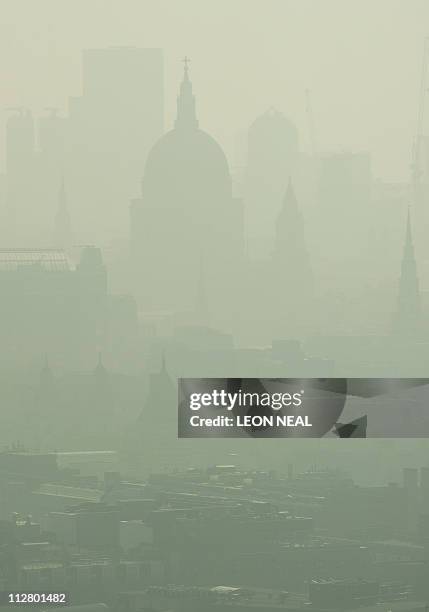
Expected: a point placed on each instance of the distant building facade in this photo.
(49, 307)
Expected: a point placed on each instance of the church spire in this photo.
(100, 371)
(290, 227)
(186, 115)
(407, 319)
(46, 376)
(291, 268)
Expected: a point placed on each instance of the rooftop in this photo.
(48, 260)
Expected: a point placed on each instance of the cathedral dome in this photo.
(187, 215)
(273, 124)
(186, 167)
(272, 139)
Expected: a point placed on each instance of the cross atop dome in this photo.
(186, 115)
(186, 61)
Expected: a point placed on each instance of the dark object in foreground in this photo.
(354, 429)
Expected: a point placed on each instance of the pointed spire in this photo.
(186, 114)
(407, 319)
(100, 370)
(46, 372)
(290, 255)
(290, 197)
(290, 225)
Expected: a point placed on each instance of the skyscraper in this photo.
(52, 131)
(20, 169)
(272, 156)
(111, 129)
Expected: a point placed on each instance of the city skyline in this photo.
(364, 95)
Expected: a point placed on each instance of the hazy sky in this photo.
(360, 58)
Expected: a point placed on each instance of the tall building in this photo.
(52, 133)
(158, 411)
(290, 251)
(20, 170)
(407, 319)
(186, 214)
(292, 280)
(344, 201)
(272, 156)
(112, 127)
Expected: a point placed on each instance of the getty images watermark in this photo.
(240, 408)
(220, 398)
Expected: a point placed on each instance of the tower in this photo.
(292, 280)
(158, 412)
(102, 395)
(186, 114)
(100, 372)
(290, 247)
(407, 319)
(272, 155)
(23, 216)
(111, 134)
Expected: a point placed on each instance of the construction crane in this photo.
(416, 169)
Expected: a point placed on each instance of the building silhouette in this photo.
(344, 198)
(290, 250)
(51, 137)
(20, 173)
(292, 277)
(272, 156)
(158, 412)
(111, 128)
(186, 212)
(407, 318)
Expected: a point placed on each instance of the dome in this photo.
(273, 120)
(186, 167)
(273, 129)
